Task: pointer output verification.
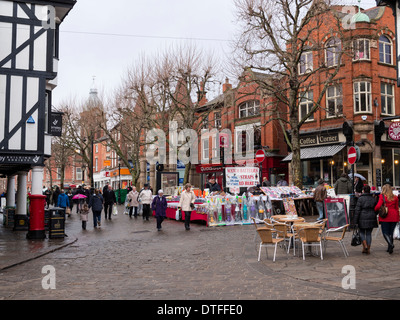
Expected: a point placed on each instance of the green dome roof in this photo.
(360, 17)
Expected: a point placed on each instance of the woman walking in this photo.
(186, 203)
(388, 223)
(159, 205)
(365, 217)
(96, 203)
(133, 202)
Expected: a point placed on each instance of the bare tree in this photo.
(282, 40)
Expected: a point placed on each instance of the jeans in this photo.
(96, 217)
(365, 234)
(320, 208)
(187, 219)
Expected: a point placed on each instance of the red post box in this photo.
(36, 219)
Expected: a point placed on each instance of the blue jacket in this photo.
(62, 201)
(96, 202)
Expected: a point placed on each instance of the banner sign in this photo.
(56, 124)
(242, 176)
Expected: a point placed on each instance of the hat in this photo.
(146, 184)
(160, 191)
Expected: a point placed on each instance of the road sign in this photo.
(260, 156)
(352, 155)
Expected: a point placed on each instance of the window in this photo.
(96, 164)
(205, 143)
(247, 137)
(361, 49)
(333, 51)
(387, 98)
(306, 62)
(217, 119)
(97, 148)
(334, 101)
(78, 174)
(362, 97)
(306, 104)
(58, 174)
(385, 50)
(204, 124)
(249, 108)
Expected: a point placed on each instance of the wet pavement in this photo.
(129, 259)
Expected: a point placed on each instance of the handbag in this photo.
(383, 210)
(356, 237)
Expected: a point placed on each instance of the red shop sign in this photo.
(207, 168)
(394, 131)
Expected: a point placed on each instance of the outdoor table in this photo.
(291, 219)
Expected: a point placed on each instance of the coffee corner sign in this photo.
(394, 131)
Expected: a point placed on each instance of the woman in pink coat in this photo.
(388, 223)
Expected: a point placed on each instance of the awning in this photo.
(317, 152)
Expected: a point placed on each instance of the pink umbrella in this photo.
(79, 196)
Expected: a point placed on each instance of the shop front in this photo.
(390, 157)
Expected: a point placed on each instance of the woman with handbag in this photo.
(388, 220)
(186, 203)
(365, 217)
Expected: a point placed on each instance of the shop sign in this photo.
(208, 168)
(241, 177)
(319, 139)
(21, 159)
(394, 131)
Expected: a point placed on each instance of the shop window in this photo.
(306, 62)
(306, 104)
(385, 50)
(333, 51)
(361, 49)
(362, 97)
(396, 167)
(334, 101)
(387, 98)
(249, 108)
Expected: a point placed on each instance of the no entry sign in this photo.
(260, 156)
(352, 155)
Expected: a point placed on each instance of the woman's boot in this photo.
(364, 243)
(389, 242)
(368, 249)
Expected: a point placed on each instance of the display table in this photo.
(171, 213)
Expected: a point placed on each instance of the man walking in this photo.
(146, 198)
(109, 201)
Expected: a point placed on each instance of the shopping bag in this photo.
(396, 233)
(178, 215)
(356, 238)
(115, 210)
(68, 210)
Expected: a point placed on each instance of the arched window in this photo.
(249, 108)
(333, 51)
(385, 50)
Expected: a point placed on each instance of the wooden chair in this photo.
(339, 240)
(310, 236)
(267, 240)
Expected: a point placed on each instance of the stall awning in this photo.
(317, 152)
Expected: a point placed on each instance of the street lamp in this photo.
(332, 163)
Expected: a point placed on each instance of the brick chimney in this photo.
(226, 86)
(201, 95)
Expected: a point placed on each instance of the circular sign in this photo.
(260, 156)
(352, 155)
(394, 131)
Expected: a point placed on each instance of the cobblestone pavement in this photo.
(129, 259)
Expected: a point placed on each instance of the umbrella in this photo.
(357, 175)
(79, 196)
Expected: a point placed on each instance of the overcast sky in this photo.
(102, 38)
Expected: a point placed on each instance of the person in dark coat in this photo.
(159, 205)
(109, 200)
(343, 185)
(56, 193)
(96, 204)
(365, 217)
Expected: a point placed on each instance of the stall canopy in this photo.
(317, 152)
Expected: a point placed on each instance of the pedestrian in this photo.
(133, 202)
(84, 215)
(96, 204)
(146, 198)
(78, 202)
(186, 204)
(388, 224)
(282, 182)
(265, 182)
(62, 200)
(109, 201)
(213, 185)
(358, 185)
(159, 205)
(56, 193)
(343, 185)
(47, 193)
(365, 217)
(320, 195)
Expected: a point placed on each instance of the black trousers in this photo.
(108, 207)
(187, 219)
(146, 211)
(159, 221)
(131, 210)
